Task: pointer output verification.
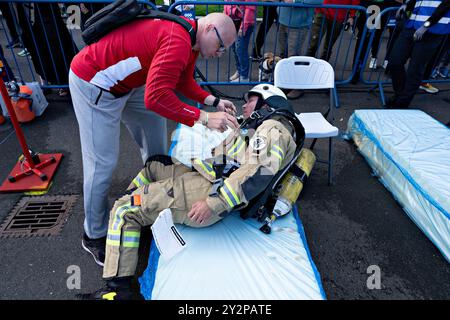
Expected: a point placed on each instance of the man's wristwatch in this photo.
(216, 102)
(427, 24)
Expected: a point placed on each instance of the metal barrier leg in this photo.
(382, 96)
(330, 161)
(336, 98)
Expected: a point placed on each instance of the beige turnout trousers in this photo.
(158, 187)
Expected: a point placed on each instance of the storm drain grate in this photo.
(38, 216)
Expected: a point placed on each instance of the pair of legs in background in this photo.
(407, 82)
(270, 15)
(322, 26)
(241, 56)
(291, 41)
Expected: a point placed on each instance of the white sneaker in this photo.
(241, 79)
(234, 76)
(23, 53)
(385, 64)
(373, 63)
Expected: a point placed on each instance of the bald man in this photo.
(130, 72)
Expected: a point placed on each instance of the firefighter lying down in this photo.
(244, 175)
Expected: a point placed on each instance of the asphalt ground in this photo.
(350, 226)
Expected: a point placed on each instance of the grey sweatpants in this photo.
(99, 115)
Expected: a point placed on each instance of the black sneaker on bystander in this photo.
(96, 247)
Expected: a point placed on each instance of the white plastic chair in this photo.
(301, 72)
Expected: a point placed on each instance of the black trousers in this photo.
(407, 82)
(269, 16)
(7, 10)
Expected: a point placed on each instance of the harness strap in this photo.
(299, 173)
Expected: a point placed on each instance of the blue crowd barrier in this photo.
(341, 47)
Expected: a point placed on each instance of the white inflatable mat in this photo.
(410, 153)
(233, 259)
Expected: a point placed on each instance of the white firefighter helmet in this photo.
(265, 91)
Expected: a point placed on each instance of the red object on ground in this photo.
(27, 179)
(2, 119)
(27, 175)
(22, 105)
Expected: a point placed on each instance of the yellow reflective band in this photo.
(143, 178)
(127, 244)
(131, 210)
(240, 148)
(130, 239)
(120, 212)
(235, 144)
(277, 147)
(236, 147)
(238, 201)
(109, 296)
(132, 234)
(230, 195)
(203, 165)
(118, 215)
(225, 195)
(112, 243)
(275, 153)
(114, 232)
(113, 238)
(140, 180)
(208, 164)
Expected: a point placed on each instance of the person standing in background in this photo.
(421, 37)
(244, 21)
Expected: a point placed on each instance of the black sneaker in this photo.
(107, 293)
(96, 247)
